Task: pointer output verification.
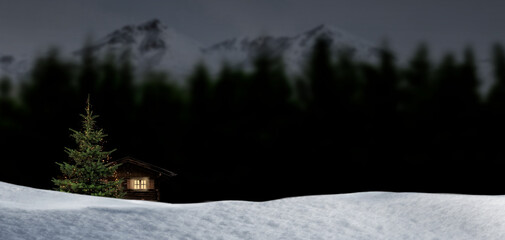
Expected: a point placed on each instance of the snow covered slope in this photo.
(27, 213)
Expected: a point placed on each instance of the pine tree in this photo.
(88, 171)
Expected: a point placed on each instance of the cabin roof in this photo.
(146, 165)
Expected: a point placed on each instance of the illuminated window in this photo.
(140, 184)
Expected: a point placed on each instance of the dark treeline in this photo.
(342, 126)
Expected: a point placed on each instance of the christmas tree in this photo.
(89, 170)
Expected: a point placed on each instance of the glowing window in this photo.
(140, 184)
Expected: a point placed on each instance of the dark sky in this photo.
(28, 26)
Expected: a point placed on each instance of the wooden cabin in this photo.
(142, 180)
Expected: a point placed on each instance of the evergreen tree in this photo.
(160, 113)
(323, 116)
(496, 97)
(89, 171)
(49, 106)
(321, 74)
(496, 105)
(199, 110)
(7, 104)
(200, 91)
(416, 104)
(88, 72)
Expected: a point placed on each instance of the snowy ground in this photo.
(27, 213)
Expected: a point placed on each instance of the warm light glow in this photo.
(140, 184)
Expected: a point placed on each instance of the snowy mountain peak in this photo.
(152, 25)
(6, 59)
(339, 40)
(293, 49)
(12, 67)
(147, 36)
(151, 45)
(322, 29)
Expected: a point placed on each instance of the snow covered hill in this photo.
(27, 213)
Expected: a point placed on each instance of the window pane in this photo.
(140, 184)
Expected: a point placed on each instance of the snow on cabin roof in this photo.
(146, 165)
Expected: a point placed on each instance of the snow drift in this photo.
(27, 213)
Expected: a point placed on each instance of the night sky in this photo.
(28, 26)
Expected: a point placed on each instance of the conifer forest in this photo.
(340, 126)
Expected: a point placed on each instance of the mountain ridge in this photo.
(152, 45)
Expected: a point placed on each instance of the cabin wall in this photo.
(129, 172)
